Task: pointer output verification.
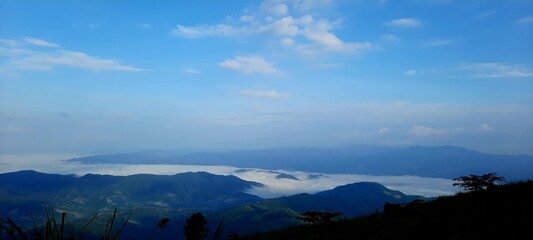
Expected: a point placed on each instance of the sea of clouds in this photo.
(276, 183)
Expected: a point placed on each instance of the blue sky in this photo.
(113, 76)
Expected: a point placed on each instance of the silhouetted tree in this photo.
(476, 183)
(318, 217)
(195, 227)
(163, 223)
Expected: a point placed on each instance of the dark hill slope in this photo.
(352, 200)
(503, 212)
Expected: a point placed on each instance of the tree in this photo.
(476, 183)
(195, 227)
(318, 217)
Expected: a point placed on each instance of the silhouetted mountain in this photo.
(289, 158)
(502, 212)
(445, 161)
(351, 200)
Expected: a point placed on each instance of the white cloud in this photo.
(207, 31)
(284, 27)
(8, 42)
(274, 8)
(300, 31)
(525, 20)
(261, 94)
(37, 59)
(389, 38)
(410, 72)
(146, 26)
(287, 42)
(404, 22)
(419, 130)
(306, 6)
(433, 2)
(497, 70)
(486, 128)
(49, 60)
(250, 64)
(191, 71)
(39, 42)
(484, 15)
(438, 42)
(383, 130)
(246, 18)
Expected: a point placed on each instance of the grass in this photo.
(52, 229)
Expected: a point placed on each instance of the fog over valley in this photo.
(275, 186)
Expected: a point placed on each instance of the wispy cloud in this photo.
(486, 128)
(525, 20)
(420, 130)
(146, 26)
(438, 42)
(250, 64)
(293, 26)
(203, 31)
(261, 94)
(46, 61)
(389, 38)
(13, 129)
(36, 59)
(191, 71)
(384, 130)
(496, 70)
(404, 22)
(8, 42)
(274, 8)
(484, 15)
(39, 42)
(410, 72)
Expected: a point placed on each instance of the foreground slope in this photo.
(350, 200)
(503, 212)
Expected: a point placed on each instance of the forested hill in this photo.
(29, 190)
(503, 212)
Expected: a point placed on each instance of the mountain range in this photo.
(147, 198)
(441, 162)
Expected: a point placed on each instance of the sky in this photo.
(92, 77)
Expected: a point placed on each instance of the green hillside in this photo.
(351, 200)
(502, 212)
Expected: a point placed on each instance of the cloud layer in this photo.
(274, 186)
(27, 58)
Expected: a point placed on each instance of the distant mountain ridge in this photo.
(442, 162)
